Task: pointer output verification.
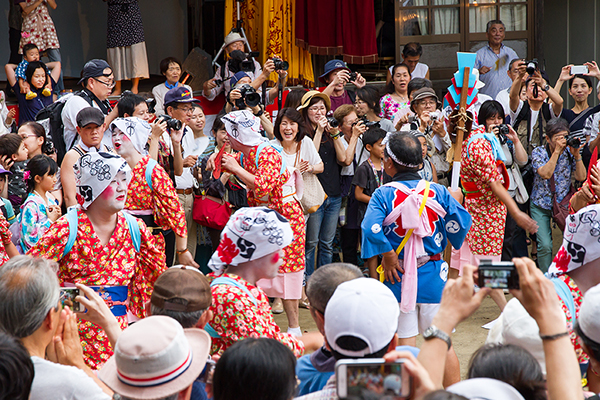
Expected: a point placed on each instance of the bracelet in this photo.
(336, 136)
(180, 252)
(578, 159)
(554, 337)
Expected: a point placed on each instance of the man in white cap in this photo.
(156, 359)
(99, 245)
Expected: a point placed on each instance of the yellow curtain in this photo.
(269, 27)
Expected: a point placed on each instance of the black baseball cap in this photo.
(89, 115)
(93, 69)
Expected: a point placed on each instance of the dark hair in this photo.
(416, 84)
(314, 100)
(197, 105)
(9, 144)
(218, 124)
(373, 135)
(407, 149)
(592, 346)
(389, 88)
(322, 283)
(412, 49)
(128, 102)
(29, 46)
(512, 62)
(164, 64)
(16, 369)
(586, 78)
(39, 166)
(294, 116)
(294, 98)
(255, 369)
(353, 343)
(369, 95)
(31, 68)
(556, 125)
(489, 109)
(39, 131)
(494, 22)
(511, 364)
(443, 395)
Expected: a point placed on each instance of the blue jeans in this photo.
(320, 228)
(543, 218)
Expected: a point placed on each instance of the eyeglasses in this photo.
(109, 85)
(317, 108)
(359, 102)
(187, 110)
(26, 135)
(428, 102)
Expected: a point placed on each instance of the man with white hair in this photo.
(30, 310)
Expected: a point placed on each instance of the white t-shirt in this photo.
(308, 152)
(419, 72)
(61, 382)
(191, 146)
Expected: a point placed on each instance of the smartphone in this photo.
(372, 378)
(67, 298)
(579, 70)
(498, 275)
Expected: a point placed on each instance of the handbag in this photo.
(314, 195)
(560, 211)
(211, 212)
(521, 196)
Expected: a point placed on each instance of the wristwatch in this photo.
(546, 88)
(433, 332)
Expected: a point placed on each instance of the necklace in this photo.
(378, 174)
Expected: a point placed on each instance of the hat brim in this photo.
(199, 341)
(192, 100)
(322, 77)
(320, 95)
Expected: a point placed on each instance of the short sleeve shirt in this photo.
(541, 195)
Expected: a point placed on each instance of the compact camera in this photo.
(498, 275)
(353, 77)
(331, 120)
(503, 132)
(531, 66)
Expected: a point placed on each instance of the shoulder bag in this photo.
(313, 195)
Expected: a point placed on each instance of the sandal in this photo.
(304, 303)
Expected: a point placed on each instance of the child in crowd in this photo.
(368, 177)
(428, 172)
(30, 54)
(13, 155)
(5, 206)
(7, 116)
(40, 209)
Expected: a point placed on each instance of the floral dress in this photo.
(5, 239)
(161, 199)
(34, 219)
(236, 317)
(38, 28)
(389, 106)
(479, 169)
(116, 264)
(268, 183)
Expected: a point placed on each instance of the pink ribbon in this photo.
(409, 209)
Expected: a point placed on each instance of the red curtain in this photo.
(334, 27)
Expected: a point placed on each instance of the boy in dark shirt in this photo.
(368, 177)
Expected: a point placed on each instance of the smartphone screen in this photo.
(67, 298)
(579, 70)
(372, 379)
(498, 275)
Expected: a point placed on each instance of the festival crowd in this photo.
(144, 259)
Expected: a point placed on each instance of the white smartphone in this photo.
(579, 70)
(372, 378)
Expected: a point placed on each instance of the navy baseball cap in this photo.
(93, 69)
(180, 94)
(237, 77)
(332, 66)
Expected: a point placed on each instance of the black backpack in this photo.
(53, 113)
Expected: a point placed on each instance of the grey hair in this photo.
(187, 319)
(171, 397)
(494, 22)
(325, 280)
(28, 290)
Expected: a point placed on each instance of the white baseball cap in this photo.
(485, 389)
(363, 308)
(588, 320)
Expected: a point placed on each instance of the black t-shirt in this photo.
(330, 177)
(364, 177)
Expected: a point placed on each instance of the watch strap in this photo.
(434, 332)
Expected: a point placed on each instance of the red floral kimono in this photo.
(116, 264)
(5, 239)
(235, 317)
(162, 199)
(268, 192)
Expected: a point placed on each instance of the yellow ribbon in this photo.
(380, 269)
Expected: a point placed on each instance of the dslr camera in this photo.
(531, 66)
(574, 139)
(172, 123)
(240, 61)
(249, 97)
(503, 132)
(353, 76)
(280, 65)
(331, 120)
(367, 123)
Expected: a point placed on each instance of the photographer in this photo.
(244, 97)
(367, 107)
(336, 76)
(552, 162)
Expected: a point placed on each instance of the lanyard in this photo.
(378, 174)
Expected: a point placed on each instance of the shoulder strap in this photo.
(72, 219)
(134, 231)
(546, 112)
(78, 150)
(222, 280)
(279, 150)
(149, 168)
(563, 291)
